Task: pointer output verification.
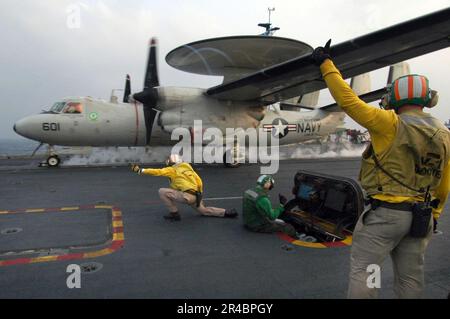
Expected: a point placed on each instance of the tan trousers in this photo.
(386, 231)
(170, 197)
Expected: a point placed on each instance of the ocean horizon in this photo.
(17, 146)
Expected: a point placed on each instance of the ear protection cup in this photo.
(434, 99)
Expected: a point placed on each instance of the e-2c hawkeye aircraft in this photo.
(258, 71)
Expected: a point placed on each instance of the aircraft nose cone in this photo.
(32, 127)
(17, 127)
(22, 127)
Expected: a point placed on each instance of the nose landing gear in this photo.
(52, 160)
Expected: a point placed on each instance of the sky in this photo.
(46, 54)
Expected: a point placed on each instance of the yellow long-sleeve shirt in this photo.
(381, 124)
(182, 177)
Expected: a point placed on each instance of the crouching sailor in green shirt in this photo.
(259, 216)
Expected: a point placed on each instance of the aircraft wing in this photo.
(367, 53)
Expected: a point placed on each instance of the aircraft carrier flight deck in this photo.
(109, 221)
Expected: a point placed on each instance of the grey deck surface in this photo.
(196, 258)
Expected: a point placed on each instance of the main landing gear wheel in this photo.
(53, 161)
(231, 158)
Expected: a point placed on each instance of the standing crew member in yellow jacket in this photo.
(405, 173)
(186, 187)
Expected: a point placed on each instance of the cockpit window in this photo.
(57, 107)
(73, 108)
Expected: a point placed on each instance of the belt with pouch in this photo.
(198, 196)
(406, 207)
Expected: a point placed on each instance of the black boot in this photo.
(231, 213)
(173, 217)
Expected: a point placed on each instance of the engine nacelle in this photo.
(175, 97)
(170, 120)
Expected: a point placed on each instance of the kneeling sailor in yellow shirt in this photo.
(186, 187)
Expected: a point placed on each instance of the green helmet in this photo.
(410, 89)
(263, 179)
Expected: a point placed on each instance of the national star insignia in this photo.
(280, 129)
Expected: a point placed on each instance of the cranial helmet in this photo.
(409, 90)
(173, 160)
(263, 179)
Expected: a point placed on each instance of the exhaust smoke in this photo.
(157, 155)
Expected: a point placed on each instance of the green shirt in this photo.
(257, 208)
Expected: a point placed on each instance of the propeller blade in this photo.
(149, 115)
(151, 75)
(149, 96)
(127, 92)
(37, 148)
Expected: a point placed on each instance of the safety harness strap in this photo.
(378, 164)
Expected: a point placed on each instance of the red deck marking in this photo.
(117, 244)
(118, 230)
(291, 240)
(70, 257)
(20, 261)
(286, 237)
(335, 244)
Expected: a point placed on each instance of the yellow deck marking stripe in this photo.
(94, 254)
(98, 253)
(348, 241)
(35, 210)
(43, 259)
(117, 224)
(310, 245)
(103, 207)
(69, 208)
(118, 236)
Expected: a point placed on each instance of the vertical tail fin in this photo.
(398, 70)
(361, 84)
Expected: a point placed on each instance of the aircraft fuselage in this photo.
(102, 123)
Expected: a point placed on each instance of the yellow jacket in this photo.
(381, 124)
(182, 177)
